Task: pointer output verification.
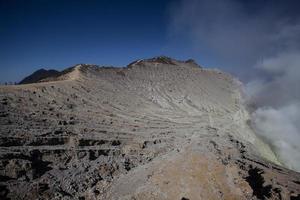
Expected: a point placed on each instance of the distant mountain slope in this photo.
(39, 75)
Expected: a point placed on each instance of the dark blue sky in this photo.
(60, 33)
(57, 34)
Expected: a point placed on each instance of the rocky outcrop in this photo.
(157, 129)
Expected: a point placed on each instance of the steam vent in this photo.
(158, 129)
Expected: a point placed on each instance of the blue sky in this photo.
(57, 34)
(60, 33)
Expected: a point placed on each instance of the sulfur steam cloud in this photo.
(277, 118)
(259, 41)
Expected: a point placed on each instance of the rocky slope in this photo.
(156, 129)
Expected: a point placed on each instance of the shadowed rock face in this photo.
(157, 129)
(39, 75)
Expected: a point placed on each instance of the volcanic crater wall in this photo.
(156, 129)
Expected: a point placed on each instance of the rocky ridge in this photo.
(157, 129)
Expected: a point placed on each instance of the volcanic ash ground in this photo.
(156, 129)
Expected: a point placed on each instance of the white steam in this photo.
(277, 119)
(279, 129)
(260, 42)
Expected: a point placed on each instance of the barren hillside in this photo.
(156, 129)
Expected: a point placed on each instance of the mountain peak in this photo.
(163, 60)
